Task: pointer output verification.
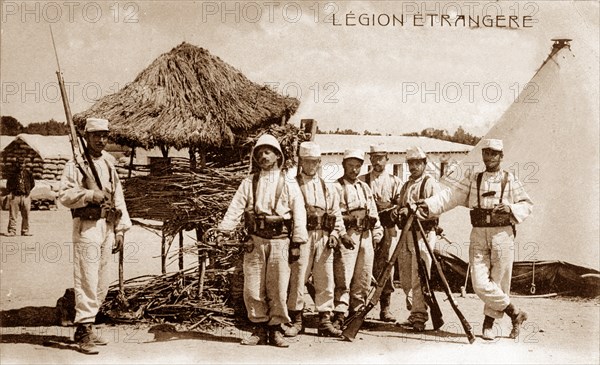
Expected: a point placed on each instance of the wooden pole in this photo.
(121, 282)
(201, 265)
(192, 153)
(163, 254)
(131, 161)
(180, 250)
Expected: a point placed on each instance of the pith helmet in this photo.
(268, 140)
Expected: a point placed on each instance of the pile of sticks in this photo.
(200, 296)
(184, 199)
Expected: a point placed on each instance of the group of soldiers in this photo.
(343, 234)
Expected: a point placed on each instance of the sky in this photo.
(389, 79)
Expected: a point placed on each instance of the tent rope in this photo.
(532, 290)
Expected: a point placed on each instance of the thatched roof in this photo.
(188, 97)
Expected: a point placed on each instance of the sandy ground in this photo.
(36, 270)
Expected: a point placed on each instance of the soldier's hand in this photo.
(98, 196)
(422, 210)
(347, 242)
(376, 241)
(403, 211)
(118, 245)
(502, 208)
(333, 242)
(294, 251)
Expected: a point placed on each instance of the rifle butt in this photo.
(355, 322)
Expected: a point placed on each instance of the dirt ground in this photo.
(35, 271)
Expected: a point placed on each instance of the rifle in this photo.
(354, 322)
(426, 289)
(78, 146)
(463, 321)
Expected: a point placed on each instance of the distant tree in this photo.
(344, 131)
(460, 136)
(10, 126)
(367, 133)
(49, 128)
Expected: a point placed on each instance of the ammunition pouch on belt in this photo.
(481, 217)
(427, 224)
(93, 212)
(359, 220)
(383, 205)
(324, 221)
(388, 217)
(267, 226)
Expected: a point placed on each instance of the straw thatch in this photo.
(188, 97)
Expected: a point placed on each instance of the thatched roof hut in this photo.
(189, 98)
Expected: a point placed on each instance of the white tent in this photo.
(550, 136)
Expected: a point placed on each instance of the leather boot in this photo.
(338, 320)
(83, 338)
(487, 333)
(326, 328)
(296, 326)
(518, 317)
(258, 336)
(276, 337)
(384, 312)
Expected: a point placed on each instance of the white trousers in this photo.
(92, 247)
(316, 259)
(491, 255)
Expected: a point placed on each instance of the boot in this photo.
(487, 333)
(326, 328)
(297, 326)
(338, 320)
(83, 338)
(258, 337)
(518, 317)
(384, 312)
(276, 337)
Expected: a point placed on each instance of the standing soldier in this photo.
(353, 262)
(418, 187)
(273, 210)
(100, 220)
(325, 225)
(498, 201)
(386, 192)
(19, 185)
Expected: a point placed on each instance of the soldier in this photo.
(498, 201)
(273, 210)
(386, 192)
(325, 225)
(419, 186)
(19, 185)
(353, 262)
(100, 220)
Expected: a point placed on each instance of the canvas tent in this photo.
(551, 144)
